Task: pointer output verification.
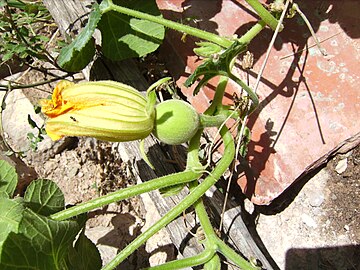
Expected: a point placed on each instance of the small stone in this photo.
(327, 223)
(73, 171)
(317, 200)
(308, 221)
(317, 211)
(346, 228)
(341, 166)
(249, 206)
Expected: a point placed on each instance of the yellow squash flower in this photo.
(106, 110)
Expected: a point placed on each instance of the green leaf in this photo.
(221, 66)
(80, 52)
(8, 178)
(16, 4)
(85, 255)
(3, 194)
(40, 243)
(10, 217)
(206, 49)
(7, 56)
(215, 66)
(125, 37)
(44, 197)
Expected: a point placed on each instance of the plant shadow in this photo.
(338, 257)
(297, 35)
(123, 233)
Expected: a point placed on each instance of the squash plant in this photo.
(47, 236)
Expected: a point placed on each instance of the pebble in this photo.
(341, 166)
(316, 200)
(308, 221)
(249, 206)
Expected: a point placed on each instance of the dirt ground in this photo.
(344, 206)
(318, 227)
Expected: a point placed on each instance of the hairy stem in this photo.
(212, 120)
(253, 32)
(196, 260)
(170, 24)
(194, 195)
(161, 182)
(229, 253)
(213, 241)
(263, 13)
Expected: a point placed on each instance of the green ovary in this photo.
(176, 122)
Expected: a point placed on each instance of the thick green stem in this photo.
(213, 241)
(196, 260)
(161, 182)
(263, 13)
(249, 91)
(213, 264)
(219, 94)
(203, 217)
(212, 120)
(194, 195)
(193, 161)
(170, 24)
(229, 253)
(253, 32)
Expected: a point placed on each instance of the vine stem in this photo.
(308, 24)
(264, 14)
(212, 240)
(110, 6)
(196, 260)
(176, 178)
(194, 195)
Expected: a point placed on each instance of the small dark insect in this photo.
(73, 118)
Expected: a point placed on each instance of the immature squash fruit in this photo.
(176, 122)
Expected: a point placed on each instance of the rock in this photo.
(15, 121)
(249, 206)
(308, 221)
(316, 200)
(341, 166)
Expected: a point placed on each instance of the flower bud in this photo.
(106, 110)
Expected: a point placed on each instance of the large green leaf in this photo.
(40, 243)
(125, 37)
(8, 178)
(80, 52)
(85, 255)
(44, 197)
(10, 217)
